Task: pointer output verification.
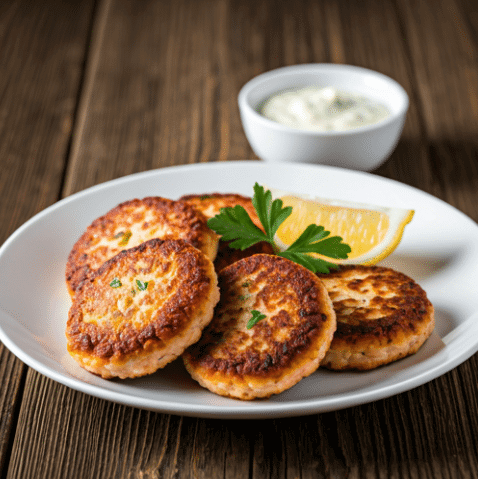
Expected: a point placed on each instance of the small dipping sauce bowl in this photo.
(361, 148)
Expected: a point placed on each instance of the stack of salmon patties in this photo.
(143, 287)
(151, 282)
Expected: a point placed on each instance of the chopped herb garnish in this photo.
(205, 197)
(116, 283)
(256, 317)
(118, 235)
(235, 225)
(246, 284)
(125, 239)
(142, 285)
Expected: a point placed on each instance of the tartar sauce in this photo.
(323, 109)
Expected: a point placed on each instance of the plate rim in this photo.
(261, 409)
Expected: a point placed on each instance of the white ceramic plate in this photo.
(439, 250)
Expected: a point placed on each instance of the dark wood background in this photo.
(94, 90)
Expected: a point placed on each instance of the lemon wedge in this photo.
(373, 232)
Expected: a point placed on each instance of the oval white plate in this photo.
(439, 250)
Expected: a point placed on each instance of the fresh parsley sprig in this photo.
(235, 225)
(271, 213)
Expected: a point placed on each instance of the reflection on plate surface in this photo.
(34, 301)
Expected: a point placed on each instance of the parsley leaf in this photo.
(271, 213)
(256, 317)
(142, 285)
(316, 265)
(315, 239)
(235, 225)
(116, 283)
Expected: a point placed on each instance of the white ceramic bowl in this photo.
(363, 148)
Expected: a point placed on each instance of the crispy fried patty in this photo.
(382, 316)
(131, 223)
(281, 349)
(141, 309)
(210, 205)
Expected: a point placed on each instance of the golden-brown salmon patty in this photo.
(382, 316)
(142, 308)
(284, 346)
(210, 205)
(130, 224)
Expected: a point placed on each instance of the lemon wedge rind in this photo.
(398, 218)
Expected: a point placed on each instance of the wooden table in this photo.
(94, 90)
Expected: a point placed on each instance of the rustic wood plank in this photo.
(42, 53)
(11, 376)
(68, 434)
(448, 101)
(41, 59)
(156, 101)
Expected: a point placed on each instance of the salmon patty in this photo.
(210, 205)
(382, 316)
(296, 326)
(130, 224)
(141, 309)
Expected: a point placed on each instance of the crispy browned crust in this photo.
(382, 316)
(110, 327)
(131, 223)
(210, 204)
(279, 350)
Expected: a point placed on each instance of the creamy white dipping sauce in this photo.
(323, 109)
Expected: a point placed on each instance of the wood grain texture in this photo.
(163, 93)
(41, 59)
(41, 53)
(448, 102)
(12, 373)
(160, 87)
